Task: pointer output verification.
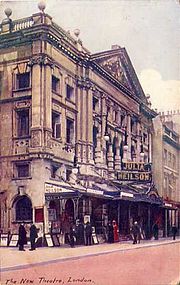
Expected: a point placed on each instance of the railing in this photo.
(23, 23)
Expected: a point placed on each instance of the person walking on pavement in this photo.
(155, 230)
(174, 231)
(88, 233)
(33, 236)
(135, 232)
(110, 232)
(115, 230)
(22, 239)
(72, 236)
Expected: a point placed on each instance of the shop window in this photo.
(69, 131)
(23, 123)
(23, 209)
(69, 92)
(22, 170)
(55, 84)
(23, 80)
(56, 126)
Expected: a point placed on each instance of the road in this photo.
(133, 265)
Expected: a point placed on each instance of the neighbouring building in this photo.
(75, 132)
(166, 163)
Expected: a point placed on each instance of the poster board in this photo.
(4, 240)
(55, 240)
(94, 236)
(49, 240)
(14, 240)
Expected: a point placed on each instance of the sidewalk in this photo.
(12, 259)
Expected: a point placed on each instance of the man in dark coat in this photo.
(88, 233)
(174, 231)
(33, 236)
(155, 230)
(135, 232)
(22, 237)
(110, 232)
(80, 233)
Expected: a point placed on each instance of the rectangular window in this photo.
(23, 80)
(56, 125)
(95, 104)
(69, 131)
(23, 123)
(23, 170)
(69, 92)
(55, 84)
(54, 169)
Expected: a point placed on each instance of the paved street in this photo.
(150, 263)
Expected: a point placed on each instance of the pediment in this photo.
(114, 66)
(117, 64)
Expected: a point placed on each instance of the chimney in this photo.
(115, 47)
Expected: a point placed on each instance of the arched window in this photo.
(23, 209)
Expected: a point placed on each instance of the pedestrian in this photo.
(80, 233)
(72, 236)
(22, 239)
(174, 231)
(115, 231)
(110, 232)
(88, 233)
(135, 232)
(33, 236)
(155, 230)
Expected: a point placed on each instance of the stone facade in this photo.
(57, 103)
(166, 162)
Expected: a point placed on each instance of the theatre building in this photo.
(75, 132)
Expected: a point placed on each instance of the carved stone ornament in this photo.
(41, 60)
(84, 82)
(36, 138)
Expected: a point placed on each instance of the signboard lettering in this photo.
(134, 176)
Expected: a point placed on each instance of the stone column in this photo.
(110, 158)
(129, 136)
(150, 147)
(138, 141)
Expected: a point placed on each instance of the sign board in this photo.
(49, 240)
(3, 239)
(94, 236)
(14, 240)
(55, 240)
(51, 188)
(52, 214)
(135, 171)
(96, 192)
(125, 194)
(134, 176)
(39, 215)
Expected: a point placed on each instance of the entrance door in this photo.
(69, 210)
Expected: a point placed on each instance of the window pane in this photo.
(22, 170)
(23, 80)
(24, 209)
(23, 123)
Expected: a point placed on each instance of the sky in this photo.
(148, 29)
